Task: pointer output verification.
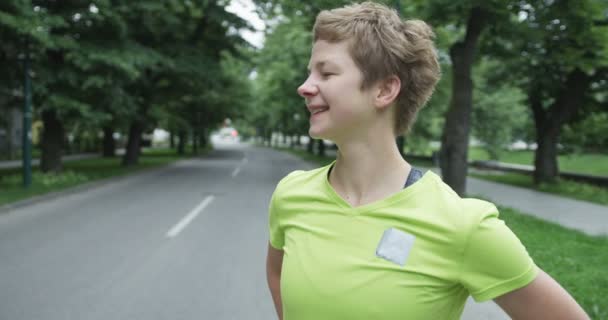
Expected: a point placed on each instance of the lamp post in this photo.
(27, 121)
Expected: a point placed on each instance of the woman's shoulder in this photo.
(299, 179)
(464, 212)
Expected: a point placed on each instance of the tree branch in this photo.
(601, 23)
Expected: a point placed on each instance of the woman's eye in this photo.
(326, 74)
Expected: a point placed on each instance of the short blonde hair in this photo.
(382, 45)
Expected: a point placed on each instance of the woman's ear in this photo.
(387, 92)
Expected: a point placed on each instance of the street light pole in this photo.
(27, 121)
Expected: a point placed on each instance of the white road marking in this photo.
(188, 218)
(236, 171)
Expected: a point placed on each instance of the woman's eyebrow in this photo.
(320, 64)
(317, 65)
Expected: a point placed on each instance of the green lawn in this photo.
(590, 163)
(76, 173)
(17, 156)
(577, 261)
(566, 188)
(321, 161)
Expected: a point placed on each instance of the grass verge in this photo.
(566, 188)
(576, 260)
(588, 163)
(76, 173)
(321, 161)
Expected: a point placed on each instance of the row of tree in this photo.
(533, 70)
(512, 69)
(123, 66)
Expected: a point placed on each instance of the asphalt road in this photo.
(184, 242)
(120, 252)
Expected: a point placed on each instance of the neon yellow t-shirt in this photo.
(342, 262)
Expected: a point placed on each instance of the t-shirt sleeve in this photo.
(494, 262)
(276, 237)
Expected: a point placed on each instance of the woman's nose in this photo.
(307, 89)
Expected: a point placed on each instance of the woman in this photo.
(368, 236)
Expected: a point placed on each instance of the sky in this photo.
(246, 10)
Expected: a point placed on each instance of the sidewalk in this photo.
(587, 217)
(18, 163)
(584, 216)
(72, 157)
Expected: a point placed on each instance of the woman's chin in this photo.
(317, 133)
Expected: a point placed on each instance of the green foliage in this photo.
(273, 10)
(547, 40)
(430, 120)
(499, 112)
(182, 65)
(47, 179)
(106, 63)
(280, 71)
(588, 134)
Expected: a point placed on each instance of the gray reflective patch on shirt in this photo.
(395, 246)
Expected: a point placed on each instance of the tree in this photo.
(24, 30)
(186, 81)
(281, 70)
(113, 66)
(455, 138)
(557, 52)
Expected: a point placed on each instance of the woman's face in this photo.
(333, 93)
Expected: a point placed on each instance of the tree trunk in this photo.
(109, 144)
(310, 146)
(52, 142)
(171, 139)
(549, 121)
(202, 139)
(195, 135)
(321, 147)
(181, 145)
(10, 138)
(131, 156)
(455, 138)
(269, 137)
(545, 158)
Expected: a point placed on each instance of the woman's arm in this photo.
(542, 299)
(274, 264)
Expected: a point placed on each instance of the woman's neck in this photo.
(367, 172)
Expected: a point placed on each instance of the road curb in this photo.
(7, 208)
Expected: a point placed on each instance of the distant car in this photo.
(229, 133)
